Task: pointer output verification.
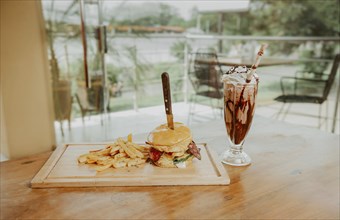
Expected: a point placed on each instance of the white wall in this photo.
(26, 98)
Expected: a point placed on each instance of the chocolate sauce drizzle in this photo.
(236, 129)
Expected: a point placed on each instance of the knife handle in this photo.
(166, 93)
(167, 99)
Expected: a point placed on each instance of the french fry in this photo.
(82, 158)
(119, 154)
(141, 148)
(129, 138)
(102, 168)
(104, 152)
(121, 162)
(90, 161)
(135, 162)
(91, 158)
(104, 160)
(108, 147)
(134, 150)
(126, 149)
(114, 150)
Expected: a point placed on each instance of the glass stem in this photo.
(236, 148)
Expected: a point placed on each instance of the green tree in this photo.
(166, 13)
(282, 18)
(295, 17)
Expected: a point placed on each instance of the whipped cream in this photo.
(238, 75)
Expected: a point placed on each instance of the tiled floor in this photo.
(122, 123)
(304, 114)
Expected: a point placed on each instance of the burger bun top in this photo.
(164, 136)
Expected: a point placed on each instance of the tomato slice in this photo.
(155, 154)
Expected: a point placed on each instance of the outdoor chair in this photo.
(97, 95)
(307, 90)
(92, 100)
(62, 103)
(84, 104)
(205, 76)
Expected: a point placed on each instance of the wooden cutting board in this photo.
(62, 170)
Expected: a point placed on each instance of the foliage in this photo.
(265, 17)
(137, 75)
(317, 50)
(285, 18)
(177, 49)
(157, 14)
(295, 17)
(281, 18)
(57, 23)
(112, 75)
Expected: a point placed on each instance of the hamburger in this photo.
(172, 148)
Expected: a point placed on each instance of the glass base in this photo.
(236, 158)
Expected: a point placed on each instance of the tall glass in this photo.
(239, 108)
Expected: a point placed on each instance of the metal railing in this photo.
(298, 39)
(189, 40)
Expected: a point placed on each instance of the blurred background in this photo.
(89, 70)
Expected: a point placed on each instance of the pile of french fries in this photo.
(122, 153)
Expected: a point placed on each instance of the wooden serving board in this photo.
(62, 170)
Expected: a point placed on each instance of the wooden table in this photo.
(294, 175)
(224, 61)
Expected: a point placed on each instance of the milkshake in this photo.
(239, 107)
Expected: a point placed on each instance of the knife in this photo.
(167, 99)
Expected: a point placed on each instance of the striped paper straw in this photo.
(257, 62)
